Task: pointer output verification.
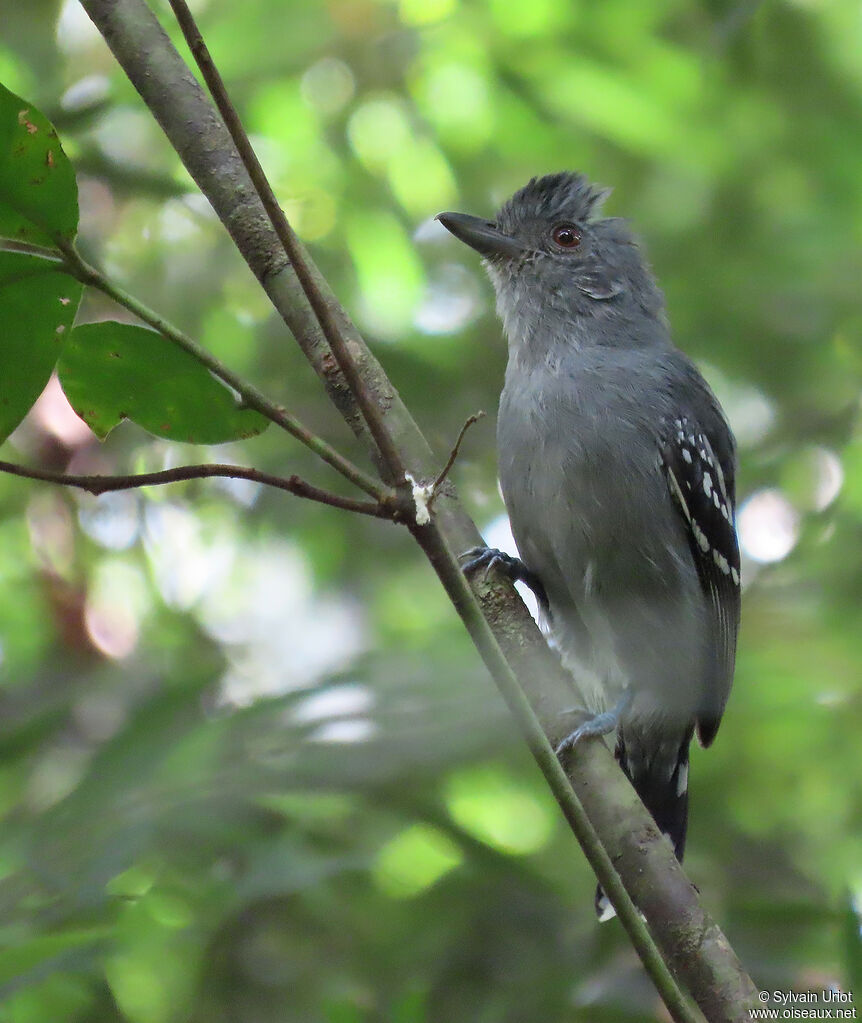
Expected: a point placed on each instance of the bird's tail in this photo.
(659, 773)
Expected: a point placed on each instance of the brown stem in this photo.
(453, 454)
(292, 484)
(389, 453)
(695, 947)
(570, 803)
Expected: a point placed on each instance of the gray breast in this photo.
(591, 516)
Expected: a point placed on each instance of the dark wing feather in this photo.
(702, 486)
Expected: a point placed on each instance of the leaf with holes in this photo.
(38, 193)
(114, 371)
(37, 307)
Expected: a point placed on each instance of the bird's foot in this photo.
(596, 725)
(515, 569)
(490, 557)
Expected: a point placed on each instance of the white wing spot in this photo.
(674, 485)
(686, 455)
(721, 561)
(721, 482)
(682, 780)
(605, 910)
(707, 485)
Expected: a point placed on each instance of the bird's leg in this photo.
(597, 724)
(489, 558)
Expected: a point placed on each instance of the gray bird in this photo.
(617, 468)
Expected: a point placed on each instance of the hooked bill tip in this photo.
(482, 235)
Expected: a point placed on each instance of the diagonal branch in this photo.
(692, 943)
(573, 810)
(450, 575)
(98, 484)
(389, 453)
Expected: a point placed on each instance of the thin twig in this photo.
(453, 454)
(392, 460)
(699, 952)
(292, 484)
(393, 463)
(370, 410)
(464, 600)
(251, 396)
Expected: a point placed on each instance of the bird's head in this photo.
(548, 246)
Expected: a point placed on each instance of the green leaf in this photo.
(38, 193)
(37, 307)
(113, 371)
(22, 956)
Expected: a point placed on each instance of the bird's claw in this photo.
(488, 558)
(596, 725)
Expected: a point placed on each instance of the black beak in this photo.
(482, 235)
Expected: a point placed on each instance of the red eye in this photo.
(567, 236)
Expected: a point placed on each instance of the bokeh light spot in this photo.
(377, 130)
(341, 711)
(499, 810)
(456, 99)
(527, 19)
(390, 275)
(421, 178)
(414, 860)
(424, 12)
(138, 987)
(328, 85)
(768, 526)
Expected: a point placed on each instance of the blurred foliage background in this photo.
(251, 767)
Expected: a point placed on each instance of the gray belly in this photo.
(592, 516)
